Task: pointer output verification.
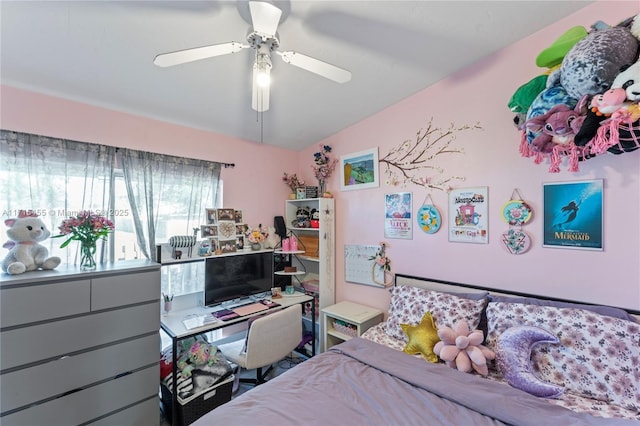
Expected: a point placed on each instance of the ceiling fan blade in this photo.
(316, 66)
(259, 94)
(265, 17)
(197, 53)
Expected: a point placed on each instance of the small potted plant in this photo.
(293, 183)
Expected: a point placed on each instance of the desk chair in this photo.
(270, 338)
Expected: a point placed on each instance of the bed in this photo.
(595, 364)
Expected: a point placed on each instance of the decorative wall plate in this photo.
(516, 212)
(429, 218)
(516, 241)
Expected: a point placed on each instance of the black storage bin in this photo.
(196, 406)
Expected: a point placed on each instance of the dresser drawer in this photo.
(20, 305)
(29, 385)
(110, 292)
(144, 414)
(55, 339)
(93, 402)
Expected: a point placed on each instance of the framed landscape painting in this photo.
(359, 170)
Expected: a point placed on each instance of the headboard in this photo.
(448, 286)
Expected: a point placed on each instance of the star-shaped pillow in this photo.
(422, 338)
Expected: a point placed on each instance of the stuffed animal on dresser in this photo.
(26, 254)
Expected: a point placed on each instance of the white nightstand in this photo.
(345, 320)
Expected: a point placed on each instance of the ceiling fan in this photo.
(263, 41)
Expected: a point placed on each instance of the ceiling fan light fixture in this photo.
(263, 70)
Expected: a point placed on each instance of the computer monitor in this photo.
(233, 276)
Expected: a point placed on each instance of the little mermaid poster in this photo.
(573, 214)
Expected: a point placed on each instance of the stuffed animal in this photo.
(557, 127)
(200, 354)
(462, 349)
(618, 134)
(629, 80)
(272, 239)
(25, 232)
(593, 62)
(601, 107)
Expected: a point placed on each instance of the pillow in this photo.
(599, 356)
(601, 309)
(513, 357)
(408, 305)
(462, 348)
(422, 338)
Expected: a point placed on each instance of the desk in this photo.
(173, 326)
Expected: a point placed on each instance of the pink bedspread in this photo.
(363, 383)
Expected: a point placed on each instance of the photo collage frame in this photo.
(225, 229)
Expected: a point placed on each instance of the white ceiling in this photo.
(101, 53)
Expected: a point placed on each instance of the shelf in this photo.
(288, 252)
(339, 335)
(290, 273)
(305, 229)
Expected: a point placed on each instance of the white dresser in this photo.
(80, 347)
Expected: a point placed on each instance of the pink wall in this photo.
(244, 190)
(479, 94)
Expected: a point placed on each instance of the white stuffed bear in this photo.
(272, 239)
(25, 232)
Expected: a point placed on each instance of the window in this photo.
(149, 197)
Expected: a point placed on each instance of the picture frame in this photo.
(213, 243)
(238, 216)
(227, 246)
(226, 230)
(226, 214)
(359, 170)
(207, 231)
(240, 242)
(212, 216)
(242, 229)
(469, 215)
(573, 214)
(398, 215)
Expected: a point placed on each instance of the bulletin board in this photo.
(358, 268)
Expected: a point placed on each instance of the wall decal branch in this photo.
(412, 162)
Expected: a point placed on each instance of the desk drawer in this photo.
(42, 302)
(111, 292)
(55, 339)
(91, 403)
(30, 385)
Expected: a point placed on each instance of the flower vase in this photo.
(87, 256)
(256, 246)
(321, 187)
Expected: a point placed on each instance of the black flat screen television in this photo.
(230, 277)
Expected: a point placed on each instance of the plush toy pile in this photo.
(586, 103)
(25, 253)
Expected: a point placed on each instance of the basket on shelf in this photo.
(342, 327)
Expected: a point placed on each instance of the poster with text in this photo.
(469, 215)
(397, 216)
(573, 214)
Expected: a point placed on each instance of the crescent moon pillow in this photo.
(513, 358)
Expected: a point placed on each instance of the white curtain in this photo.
(159, 195)
(55, 178)
(168, 195)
